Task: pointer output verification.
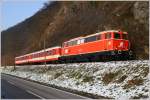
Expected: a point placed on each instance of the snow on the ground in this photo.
(116, 79)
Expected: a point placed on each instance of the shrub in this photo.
(88, 79)
(57, 75)
(75, 74)
(108, 77)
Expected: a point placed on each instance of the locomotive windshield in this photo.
(125, 36)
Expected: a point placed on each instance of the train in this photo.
(108, 45)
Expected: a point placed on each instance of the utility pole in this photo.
(46, 32)
(14, 62)
(5, 61)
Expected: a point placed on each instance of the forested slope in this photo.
(60, 21)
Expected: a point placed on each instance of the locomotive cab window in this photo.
(116, 35)
(125, 36)
(98, 37)
(107, 35)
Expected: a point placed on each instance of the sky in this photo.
(16, 11)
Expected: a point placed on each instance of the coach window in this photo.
(70, 43)
(116, 35)
(54, 52)
(49, 52)
(46, 52)
(73, 43)
(66, 44)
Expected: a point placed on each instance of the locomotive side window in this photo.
(71, 43)
(116, 35)
(90, 39)
(107, 35)
(98, 37)
(125, 36)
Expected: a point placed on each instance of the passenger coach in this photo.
(49, 55)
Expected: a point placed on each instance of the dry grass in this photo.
(133, 82)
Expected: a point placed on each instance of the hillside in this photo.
(60, 21)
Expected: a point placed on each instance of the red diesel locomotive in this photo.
(102, 46)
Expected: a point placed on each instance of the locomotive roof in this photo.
(39, 51)
(74, 39)
(104, 32)
(81, 37)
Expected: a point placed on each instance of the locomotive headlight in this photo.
(121, 44)
(66, 50)
(109, 43)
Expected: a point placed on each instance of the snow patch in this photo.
(115, 79)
